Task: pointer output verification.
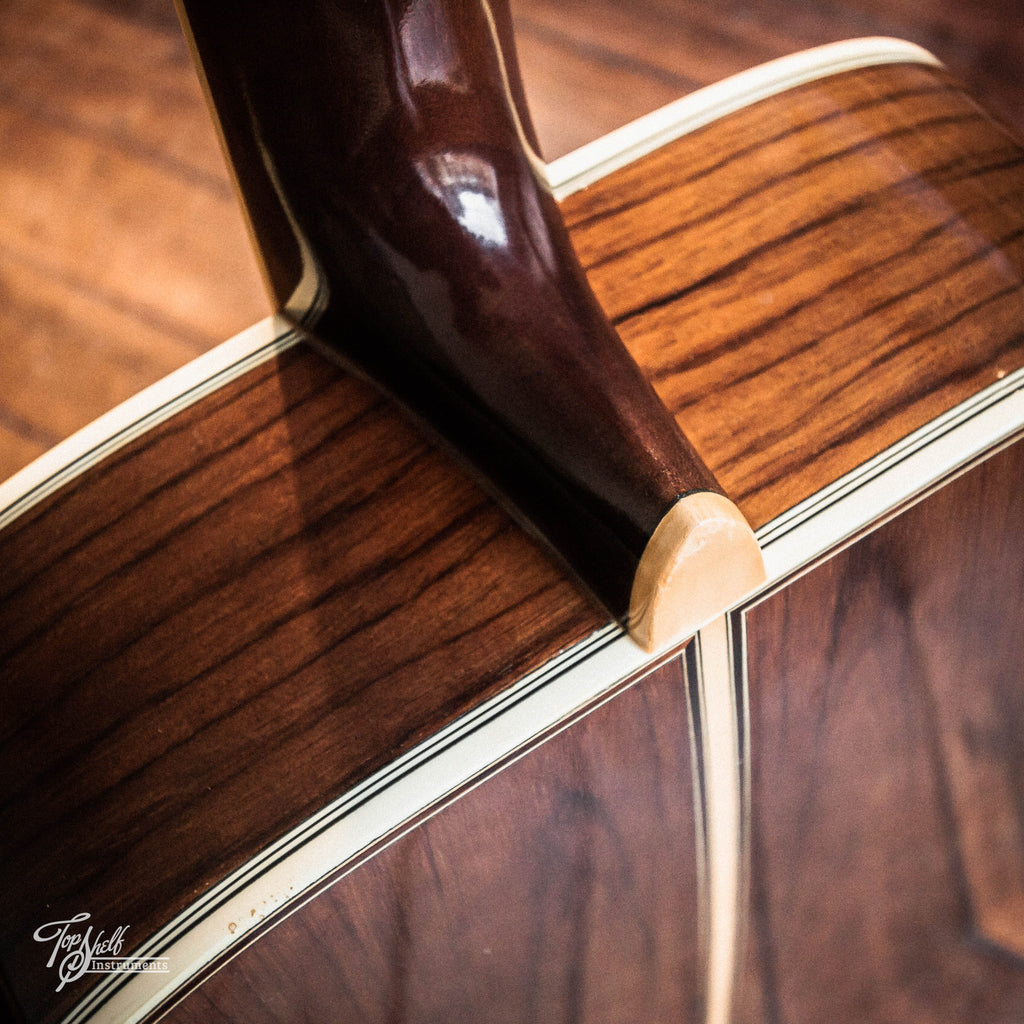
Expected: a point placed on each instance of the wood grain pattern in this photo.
(805, 261)
(122, 251)
(974, 694)
(138, 265)
(885, 714)
(563, 889)
(297, 611)
(115, 356)
(250, 524)
(116, 74)
(609, 63)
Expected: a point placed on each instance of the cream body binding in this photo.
(386, 805)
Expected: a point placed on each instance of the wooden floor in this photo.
(122, 253)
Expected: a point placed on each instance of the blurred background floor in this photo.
(122, 252)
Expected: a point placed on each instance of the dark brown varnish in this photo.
(275, 603)
(379, 149)
(210, 636)
(124, 251)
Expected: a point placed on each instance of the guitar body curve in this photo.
(316, 768)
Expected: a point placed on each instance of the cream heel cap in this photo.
(701, 560)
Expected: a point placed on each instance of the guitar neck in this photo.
(406, 225)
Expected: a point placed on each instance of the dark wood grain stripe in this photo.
(918, 183)
(506, 906)
(756, 332)
(867, 777)
(595, 211)
(174, 431)
(27, 732)
(923, 390)
(757, 191)
(475, 533)
(926, 390)
(84, 812)
(142, 509)
(716, 355)
(603, 54)
(24, 429)
(57, 118)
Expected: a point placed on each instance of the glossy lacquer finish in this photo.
(564, 889)
(819, 274)
(209, 637)
(403, 220)
(887, 853)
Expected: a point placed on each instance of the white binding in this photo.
(293, 869)
(566, 175)
(590, 163)
(144, 411)
(721, 768)
(906, 472)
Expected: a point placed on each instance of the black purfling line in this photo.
(282, 739)
(183, 926)
(69, 492)
(82, 809)
(138, 446)
(885, 414)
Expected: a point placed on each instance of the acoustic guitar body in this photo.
(309, 729)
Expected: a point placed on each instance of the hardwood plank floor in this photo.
(122, 252)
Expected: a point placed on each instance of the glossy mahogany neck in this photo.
(386, 164)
